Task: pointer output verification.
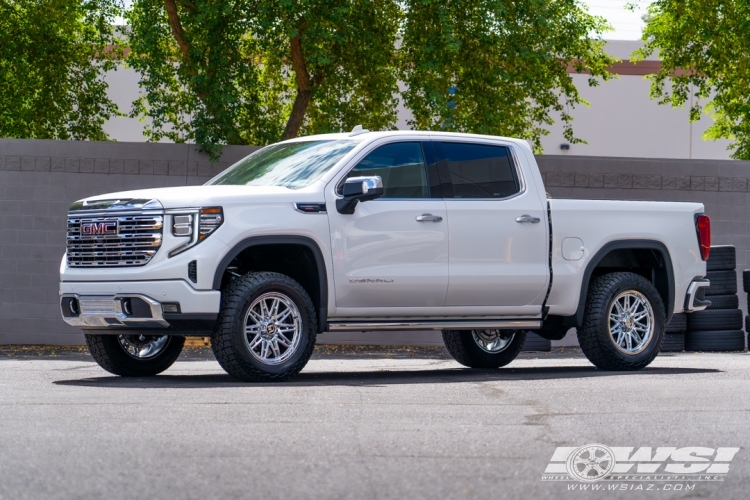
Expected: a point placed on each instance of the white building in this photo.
(622, 119)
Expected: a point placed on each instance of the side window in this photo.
(480, 171)
(402, 168)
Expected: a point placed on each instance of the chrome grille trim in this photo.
(137, 241)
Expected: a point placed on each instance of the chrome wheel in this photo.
(273, 328)
(493, 341)
(631, 322)
(143, 346)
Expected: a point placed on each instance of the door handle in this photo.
(429, 218)
(528, 218)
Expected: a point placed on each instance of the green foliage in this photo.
(704, 46)
(505, 60)
(52, 57)
(208, 89)
(226, 75)
(256, 71)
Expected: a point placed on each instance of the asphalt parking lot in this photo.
(357, 423)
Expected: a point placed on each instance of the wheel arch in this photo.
(662, 276)
(317, 288)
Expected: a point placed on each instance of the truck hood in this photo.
(202, 196)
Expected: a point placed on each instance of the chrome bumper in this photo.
(694, 298)
(92, 311)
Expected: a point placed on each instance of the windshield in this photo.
(292, 165)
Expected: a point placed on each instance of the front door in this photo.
(390, 258)
(498, 235)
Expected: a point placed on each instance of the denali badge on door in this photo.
(108, 228)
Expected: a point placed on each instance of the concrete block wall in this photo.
(39, 180)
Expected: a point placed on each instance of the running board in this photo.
(437, 325)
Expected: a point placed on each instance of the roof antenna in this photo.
(357, 130)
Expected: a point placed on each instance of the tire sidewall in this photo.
(483, 359)
(110, 355)
(652, 349)
(238, 326)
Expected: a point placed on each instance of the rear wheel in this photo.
(484, 348)
(135, 355)
(623, 326)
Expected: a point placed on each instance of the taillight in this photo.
(703, 228)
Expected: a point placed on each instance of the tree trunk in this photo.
(305, 85)
(176, 25)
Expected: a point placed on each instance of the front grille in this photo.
(133, 241)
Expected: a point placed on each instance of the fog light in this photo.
(170, 308)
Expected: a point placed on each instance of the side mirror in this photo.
(358, 189)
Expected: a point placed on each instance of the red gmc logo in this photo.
(104, 228)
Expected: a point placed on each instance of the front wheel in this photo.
(135, 355)
(484, 348)
(266, 328)
(624, 322)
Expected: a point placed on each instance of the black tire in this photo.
(722, 258)
(534, 342)
(678, 323)
(722, 283)
(717, 341)
(594, 336)
(746, 281)
(229, 341)
(110, 355)
(464, 349)
(715, 319)
(673, 342)
(724, 302)
(747, 323)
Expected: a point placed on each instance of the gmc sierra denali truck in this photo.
(375, 231)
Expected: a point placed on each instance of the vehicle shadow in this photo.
(374, 377)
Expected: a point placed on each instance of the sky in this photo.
(627, 25)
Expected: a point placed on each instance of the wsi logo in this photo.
(597, 462)
(96, 228)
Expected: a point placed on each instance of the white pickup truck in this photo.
(375, 231)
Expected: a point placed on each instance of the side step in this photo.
(492, 324)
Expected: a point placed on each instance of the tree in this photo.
(53, 54)
(499, 67)
(253, 72)
(256, 71)
(704, 47)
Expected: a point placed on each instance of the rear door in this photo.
(498, 239)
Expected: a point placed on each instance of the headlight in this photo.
(196, 224)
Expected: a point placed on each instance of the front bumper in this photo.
(151, 307)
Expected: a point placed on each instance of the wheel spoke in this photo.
(284, 341)
(256, 340)
(283, 316)
(275, 347)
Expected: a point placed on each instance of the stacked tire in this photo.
(674, 334)
(746, 288)
(719, 327)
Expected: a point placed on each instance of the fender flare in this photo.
(283, 240)
(622, 245)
